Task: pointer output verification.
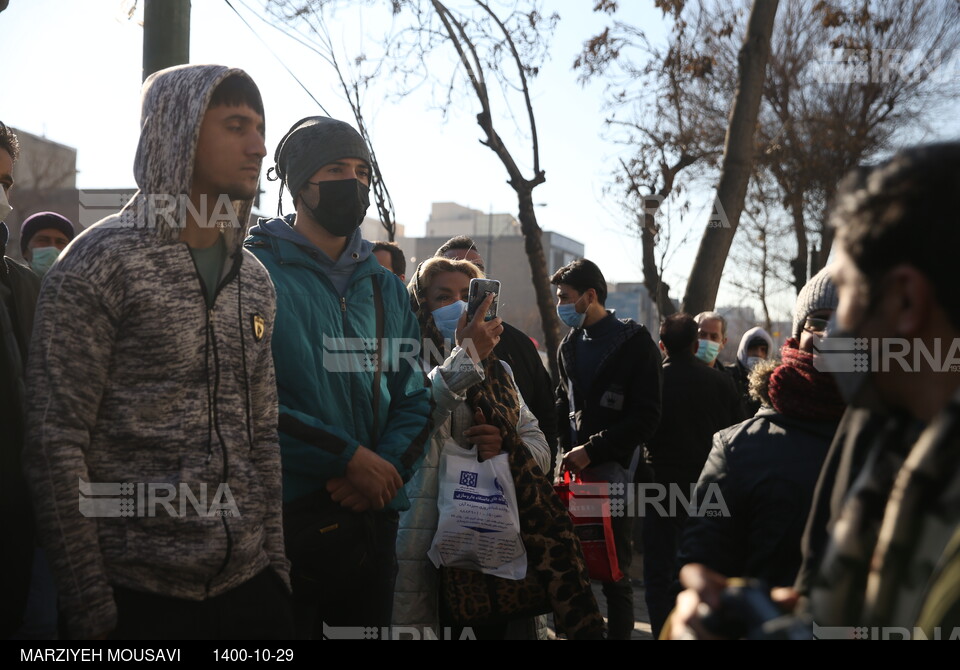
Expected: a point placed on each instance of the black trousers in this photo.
(619, 595)
(661, 539)
(258, 609)
(345, 607)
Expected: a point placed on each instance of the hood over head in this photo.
(173, 104)
(749, 336)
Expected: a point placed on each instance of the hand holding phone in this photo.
(480, 289)
(477, 335)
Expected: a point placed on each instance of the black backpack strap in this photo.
(378, 360)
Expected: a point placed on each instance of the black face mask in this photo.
(342, 205)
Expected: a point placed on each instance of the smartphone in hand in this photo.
(479, 290)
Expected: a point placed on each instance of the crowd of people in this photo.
(220, 432)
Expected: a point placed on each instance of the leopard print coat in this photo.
(553, 549)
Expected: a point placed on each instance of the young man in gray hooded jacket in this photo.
(152, 393)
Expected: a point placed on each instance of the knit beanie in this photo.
(40, 221)
(819, 293)
(312, 143)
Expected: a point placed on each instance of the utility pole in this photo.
(166, 34)
(487, 260)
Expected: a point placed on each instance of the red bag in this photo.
(588, 504)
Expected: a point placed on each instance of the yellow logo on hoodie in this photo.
(259, 327)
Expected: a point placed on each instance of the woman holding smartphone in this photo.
(477, 405)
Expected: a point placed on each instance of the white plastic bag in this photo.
(479, 525)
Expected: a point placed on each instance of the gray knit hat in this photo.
(312, 143)
(818, 293)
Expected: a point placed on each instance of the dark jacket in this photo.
(856, 434)
(20, 286)
(621, 409)
(740, 376)
(697, 402)
(764, 471)
(891, 557)
(18, 298)
(532, 378)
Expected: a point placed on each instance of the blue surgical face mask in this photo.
(569, 315)
(754, 361)
(447, 317)
(41, 258)
(707, 351)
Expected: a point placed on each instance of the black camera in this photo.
(747, 612)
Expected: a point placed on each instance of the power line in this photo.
(296, 35)
(279, 60)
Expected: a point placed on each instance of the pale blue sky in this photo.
(72, 72)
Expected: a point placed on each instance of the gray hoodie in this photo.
(133, 380)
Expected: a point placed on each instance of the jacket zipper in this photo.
(223, 447)
(234, 271)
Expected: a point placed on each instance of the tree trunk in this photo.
(799, 262)
(738, 157)
(764, 273)
(659, 291)
(827, 233)
(533, 245)
(472, 64)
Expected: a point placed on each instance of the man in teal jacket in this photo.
(349, 436)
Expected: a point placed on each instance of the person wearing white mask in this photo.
(42, 237)
(755, 346)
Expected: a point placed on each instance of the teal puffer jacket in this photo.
(324, 380)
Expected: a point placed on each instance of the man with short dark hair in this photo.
(880, 549)
(697, 401)
(461, 243)
(608, 404)
(390, 256)
(517, 349)
(151, 382)
(894, 286)
(29, 603)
